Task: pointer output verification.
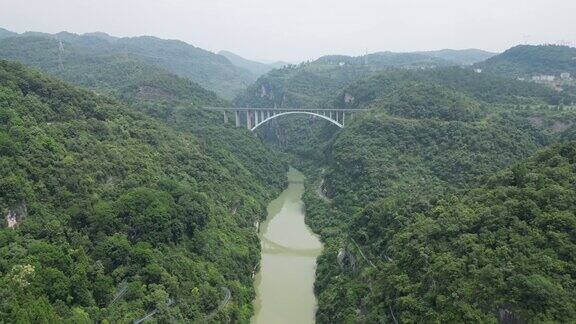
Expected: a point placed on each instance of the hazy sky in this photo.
(295, 30)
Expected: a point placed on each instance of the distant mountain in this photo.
(212, 71)
(312, 84)
(464, 57)
(256, 68)
(279, 64)
(422, 59)
(380, 60)
(484, 87)
(124, 77)
(531, 60)
(102, 36)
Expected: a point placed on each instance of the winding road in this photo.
(223, 303)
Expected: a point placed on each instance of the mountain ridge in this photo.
(210, 70)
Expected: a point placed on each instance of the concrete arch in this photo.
(297, 112)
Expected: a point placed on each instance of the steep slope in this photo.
(503, 251)
(312, 84)
(117, 75)
(304, 85)
(148, 88)
(117, 214)
(424, 138)
(529, 60)
(351, 86)
(210, 70)
(428, 134)
(4, 33)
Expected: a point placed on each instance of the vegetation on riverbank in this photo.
(422, 185)
(117, 213)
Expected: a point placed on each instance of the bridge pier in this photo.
(225, 117)
(237, 116)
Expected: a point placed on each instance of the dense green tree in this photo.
(119, 212)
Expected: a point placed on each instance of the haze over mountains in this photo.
(210, 70)
(225, 73)
(257, 68)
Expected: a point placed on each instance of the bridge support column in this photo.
(256, 117)
(237, 116)
(225, 117)
(343, 117)
(248, 119)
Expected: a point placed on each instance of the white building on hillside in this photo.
(543, 78)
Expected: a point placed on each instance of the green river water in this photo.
(284, 285)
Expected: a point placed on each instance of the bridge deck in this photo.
(255, 117)
(282, 109)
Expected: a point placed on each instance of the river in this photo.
(285, 283)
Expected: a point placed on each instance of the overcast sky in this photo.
(295, 30)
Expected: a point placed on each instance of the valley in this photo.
(448, 195)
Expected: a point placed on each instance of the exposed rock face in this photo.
(266, 91)
(348, 98)
(506, 316)
(16, 214)
(152, 93)
(536, 121)
(559, 126)
(346, 259)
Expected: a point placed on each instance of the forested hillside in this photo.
(501, 252)
(150, 89)
(326, 85)
(211, 71)
(316, 84)
(429, 135)
(485, 87)
(313, 84)
(115, 214)
(120, 76)
(529, 60)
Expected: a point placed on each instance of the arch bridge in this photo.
(254, 117)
